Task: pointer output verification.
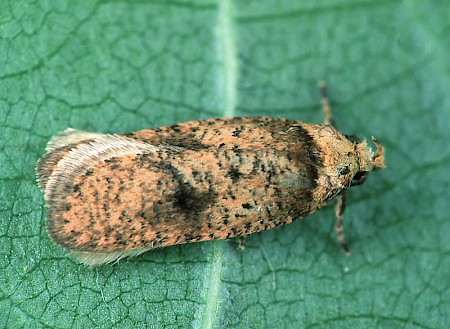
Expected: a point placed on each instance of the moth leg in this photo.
(241, 242)
(328, 117)
(339, 208)
(341, 199)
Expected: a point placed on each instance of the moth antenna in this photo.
(326, 108)
(339, 208)
(341, 199)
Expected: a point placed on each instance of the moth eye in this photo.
(359, 178)
(344, 170)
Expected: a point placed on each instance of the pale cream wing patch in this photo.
(87, 154)
(103, 257)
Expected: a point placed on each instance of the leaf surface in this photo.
(120, 66)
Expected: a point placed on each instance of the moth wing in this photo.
(57, 148)
(68, 137)
(67, 159)
(214, 133)
(103, 257)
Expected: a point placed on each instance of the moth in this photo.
(112, 196)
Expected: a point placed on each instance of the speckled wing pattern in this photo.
(111, 196)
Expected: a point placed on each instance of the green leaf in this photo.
(118, 66)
